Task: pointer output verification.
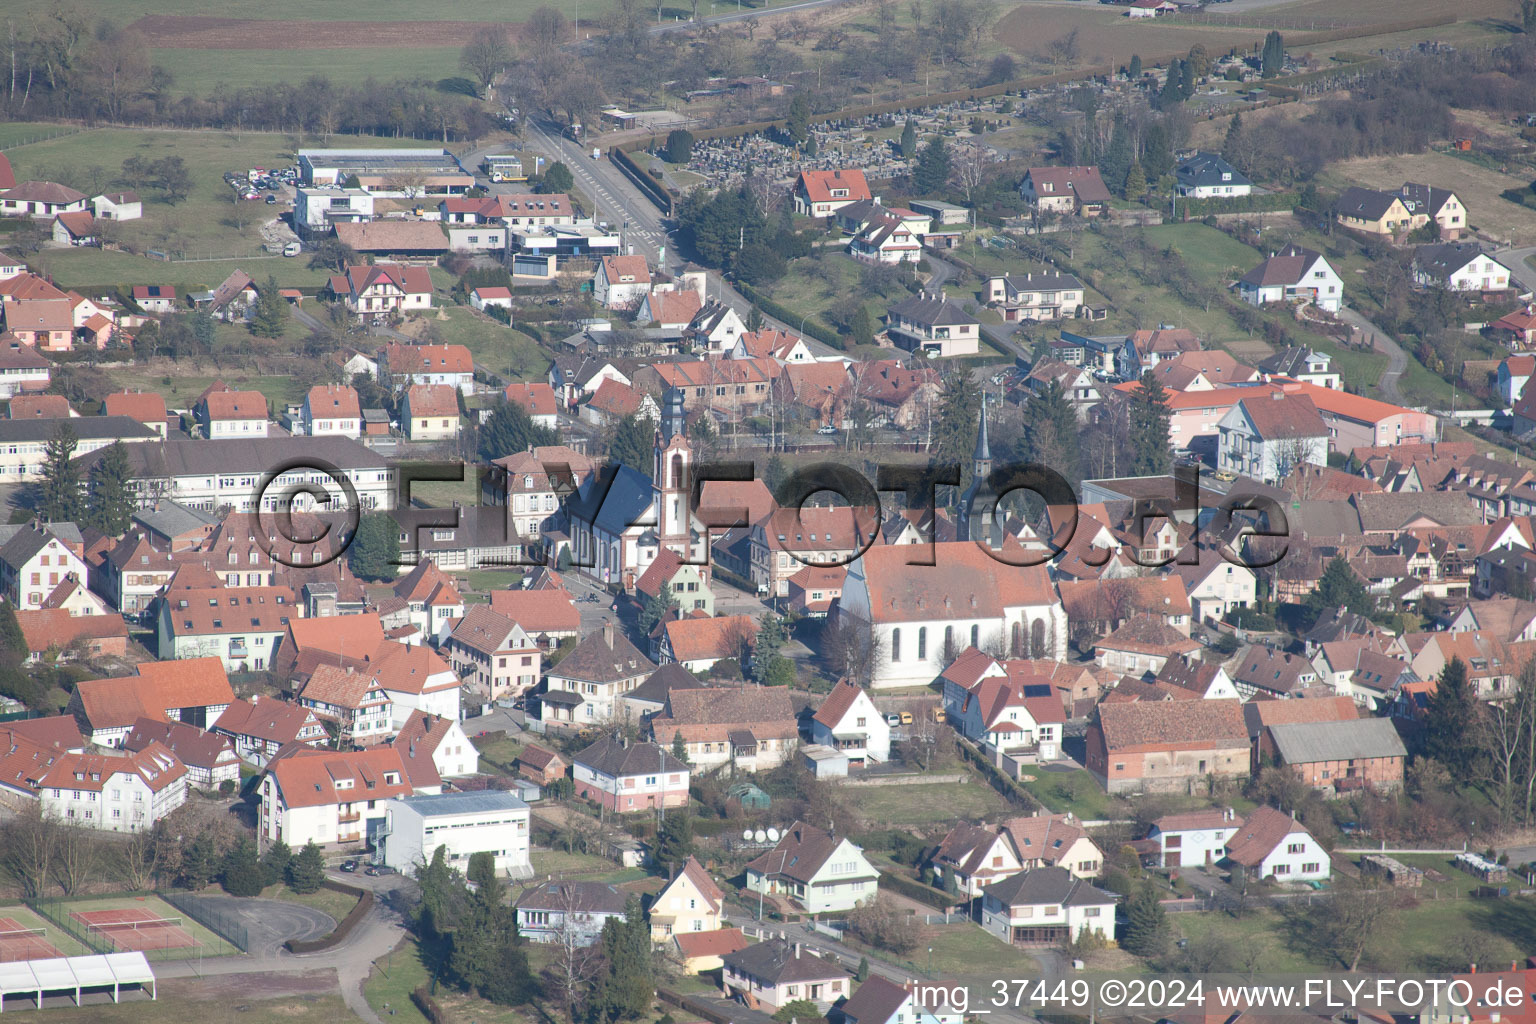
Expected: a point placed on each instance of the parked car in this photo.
(827, 429)
(372, 871)
(292, 249)
(349, 866)
(906, 718)
(271, 200)
(893, 719)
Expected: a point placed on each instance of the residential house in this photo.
(241, 627)
(702, 951)
(40, 200)
(978, 855)
(114, 791)
(537, 399)
(888, 238)
(1273, 844)
(402, 366)
(1166, 746)
(823, 193)
(209, 758)
(548, 616)
(145, 406)
(688, 585)
(1262, 670)
(155, 298)
(329, 797)
(1142, 646)
(1339, 756)
(195, 691)
(773, 974)
(1267, 437)
(626, 777)
(40, 407)
(821, 872)
(493, 654)
(750, 728)
(1046, 907)
(1076, 191)
(814, 588)
(48, 324)
(1426, 203)
(935, 325)
(783, 348)
(1304, 364)
(714, 329)
(568, 913)
(34, 560)
(231, 300)
(331, 409)
(531, 484)
(1517, 328)
(584, 687)
(459, 824)
(75, 228)
(222, 413)
(613, 401)
(434, 748)
(879, 1001)
(1208, 176)
(118, 206)
(690, 902)
(490, 297)
(1191, 839)
(430, 412)
(1018, 716)
(539, 765)
(848, 721)
(1043, 296)
(1213, 584)
(622, 282)
(259, 727)
(23, 368)
(1459, 267)
(697, 642)
(56, 634)
(1514, 374)
(431, 597)
(669, 309)
(1293, 274)
(1372, 212)
(353, 701)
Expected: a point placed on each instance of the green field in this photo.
(328, 901)
(182, 389)
(190, 1006)
(21, 133)
(81, 268)
(495, 346)
(927, 804)
(1074, 791)
(202, 226)
(200, 72)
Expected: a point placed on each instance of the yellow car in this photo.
(906, 718)
(938, 714)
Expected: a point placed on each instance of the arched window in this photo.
(949, 643)
(922, 643)
(677, 471)
(1016, 644)
(976, 636)
(1037, 638)
(895, 645)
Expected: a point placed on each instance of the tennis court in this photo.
(131, 929)
(21, 942)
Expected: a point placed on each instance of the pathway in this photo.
(1397, 359)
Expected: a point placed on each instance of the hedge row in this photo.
(1000, 782)
(1272, 202)
(918, 891)
(654, 188)
(345, 928)
(820, 332)
(427, 1005)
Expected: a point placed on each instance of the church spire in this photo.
(981, 460)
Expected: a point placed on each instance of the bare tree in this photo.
(545, 30)
(139, 860)
(1358, 914)
(486, 54)
(1063, 50)
(971, 170)
(575, 959)
(408, 183)
(1504, 730)
(77, 859)
(31, 842)
(851, 648)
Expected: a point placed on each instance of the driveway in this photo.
(1397, 359)
(1520, 270)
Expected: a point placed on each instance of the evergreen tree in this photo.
(755, 315)
(861, 974)
(656, 609)
(203, 329)
(1199, 61)
(1149, 428)
(861, 326)
(798, 124)
(60, 500)
(771, 637)
(243, 874)
(1234, 145)
(1134, 72)
(674, 841)
(625, 990)
(679, 146)
(1172, 93)
(565, 561)
(509, 429)
(633, 443)
(1273, 58)
(679, 748)
(557, 180)
(199, 862)
(1340, 586)
(110, 505)
(1528, 16)
(1116, 162)
(13, 642)
(1050, 435)
(1187, 80)
(1136, 182)
(510, 981)
(909, 139)
(956, 421)
(375, 550)
(775, 473)
(274, 862)
(1146, 924)
(269, 311)
(1450, 722)
(931, 174)
(809, 149)
(1156, 151)
(307, 870)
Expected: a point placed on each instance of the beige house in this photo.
(430, 412)
(691, 902)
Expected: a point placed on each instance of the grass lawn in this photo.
(397, 974)
(1074, 791)
(443, 493)
(963, 948)
(498, 348)
(181, 390)
(490, 579)
(199, 72)
(502, 750)
(91, 268)
(21, 133)
(337, 904)
(92, 160)
(311, 1008)
(1240, 935)
(927, 804)
(554, 862)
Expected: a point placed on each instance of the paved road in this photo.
(1000, 335)
(1515, 259)
(1397, 359)
(270, 923)
(683, 26)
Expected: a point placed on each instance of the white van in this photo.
(292, 249)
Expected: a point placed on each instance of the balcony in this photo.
(348, 817)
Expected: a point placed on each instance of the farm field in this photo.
(1106, 36)
(1477, 186)
(199, 71)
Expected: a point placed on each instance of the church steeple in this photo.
(981, 459)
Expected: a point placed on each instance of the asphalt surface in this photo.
(1397, 359)
(270, 923)
(1520, 270)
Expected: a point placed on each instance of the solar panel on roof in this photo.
(1037, 690)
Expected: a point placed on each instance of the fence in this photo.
(187, 940)
(207, 914)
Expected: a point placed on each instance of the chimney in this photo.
(608, 634)
(797, 951)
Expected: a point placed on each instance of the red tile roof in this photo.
(406, 359)
(537, 397)
(1264, 829)
(704, 639)
(433, 400)
(334, 400)
(156, 765)
(308, 778)
(818, 185)
(719, 942)
(235, 405)
(538, 611)
(1175, 723)
(144, 406)
(44, 628)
